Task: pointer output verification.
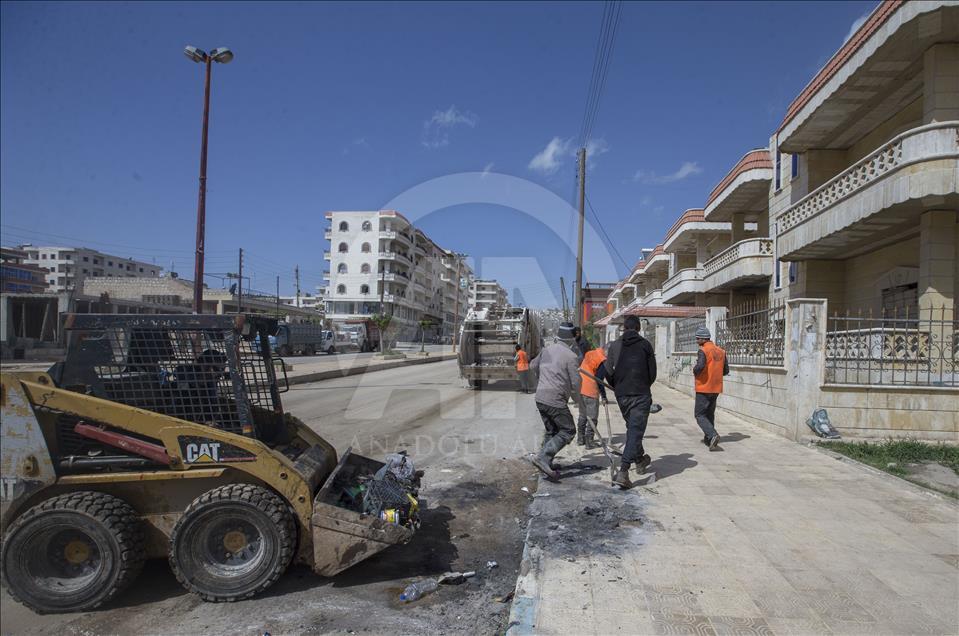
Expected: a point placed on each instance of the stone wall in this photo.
(781, 398)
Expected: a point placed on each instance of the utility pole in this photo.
(277, 297)
(456, 310)
(562, 286)
(239, 296)
(296, 271)
(578, 293)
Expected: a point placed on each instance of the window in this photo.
(365, 248)
(86, 259)
(793, 272)
(43, 256)
(344, 226)
(341, 289)
(141, 270)
(341, 268)
(96, 261)
(343, 248)
(778, 167)
(365, 268)
(364, 289)
(86, 271)
(109, 263)
(367, 226)
(795, 165)
(777, 266)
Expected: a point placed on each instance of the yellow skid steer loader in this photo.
(165, 436)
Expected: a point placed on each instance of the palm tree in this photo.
(425, 324)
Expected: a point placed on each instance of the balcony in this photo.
(653, 298)
(683, 286)
(742, 264)
(327, 255)
(877, 199)
(390, 256)
(328, 235)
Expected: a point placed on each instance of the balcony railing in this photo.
(736, 251)
(685, 281)
(926, 143)
(327, 255)
(653, 297)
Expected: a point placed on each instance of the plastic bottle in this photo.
(417, 590)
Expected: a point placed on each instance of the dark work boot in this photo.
(714, 442)
(622, 478)
(643, 464)
(543, 465)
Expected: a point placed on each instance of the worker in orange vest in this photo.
(711, 366)
(522, 368)
(591, 393)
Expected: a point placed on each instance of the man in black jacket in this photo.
(631, 370)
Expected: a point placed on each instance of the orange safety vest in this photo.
(590, 364)
(523, 363)
(710, 379)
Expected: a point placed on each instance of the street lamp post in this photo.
(221, 55)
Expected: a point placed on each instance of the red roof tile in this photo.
(751, 160)
(875, 20)
(689, 216)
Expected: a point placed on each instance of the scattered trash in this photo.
(505, 598)
(891, 465)
(524, 489)
(491, 564)
(455, 578)
(540, 494)
(418, 590)
(821, 426)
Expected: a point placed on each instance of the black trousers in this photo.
(635, 410)
(705, 413)
(559, 426)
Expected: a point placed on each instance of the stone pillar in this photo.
(673, 264)
(701, 251)
(739, 226)
(713, 316)
(937, 261)
(805, 350)
(762, 225)
(940, 90)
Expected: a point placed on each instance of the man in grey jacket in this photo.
(558, 369)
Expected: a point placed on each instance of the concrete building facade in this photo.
(381, 263)
(487, 293)
(16, 276)
(827, 263)
(67, 266)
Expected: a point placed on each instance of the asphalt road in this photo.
(470, 444)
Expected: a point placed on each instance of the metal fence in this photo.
(899, 347)
(686, 333)
(753, 334)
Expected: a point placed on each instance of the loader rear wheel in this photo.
(73, 553)
(232, 542)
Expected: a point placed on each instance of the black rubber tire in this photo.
(112, 528)
(331, 351)
(476, 385)
(309, 350)
(285, 351)
(261, 509)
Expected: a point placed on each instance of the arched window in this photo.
(341, 268)
(344, 226)
(367, 226)
(341, 289)
(364, 289)
(365, 268)
(343, 248)
(366, 248)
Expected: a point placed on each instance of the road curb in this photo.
(526, 594)
(317, 376)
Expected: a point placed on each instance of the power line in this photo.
(601, 61)
(603, 230)
(29, 234)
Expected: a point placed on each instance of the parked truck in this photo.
(488, 343)
(358, 335)
(307, 339)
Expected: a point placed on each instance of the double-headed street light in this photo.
(221, 55)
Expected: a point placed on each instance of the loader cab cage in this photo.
(214, 370)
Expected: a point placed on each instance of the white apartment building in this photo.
(67, 266)
(380, 263)
(486, 293)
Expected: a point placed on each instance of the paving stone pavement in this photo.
(764, 536)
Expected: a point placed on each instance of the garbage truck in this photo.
(164, 436)
(308, 339)
(488, 342)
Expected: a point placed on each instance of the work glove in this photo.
(605, 402)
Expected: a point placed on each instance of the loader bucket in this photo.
(344, 537)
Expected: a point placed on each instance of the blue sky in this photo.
(348, 106)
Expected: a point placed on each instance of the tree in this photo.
(382, 322)
(425, 324)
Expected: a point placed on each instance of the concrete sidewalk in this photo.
(346, 364)
(765, 536)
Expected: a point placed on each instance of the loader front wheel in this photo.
(232, 542)
(73, 553)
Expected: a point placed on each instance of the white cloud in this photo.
(359, 142)
(436, 129)
(549, 159)
(857, 23)
(688, 168)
